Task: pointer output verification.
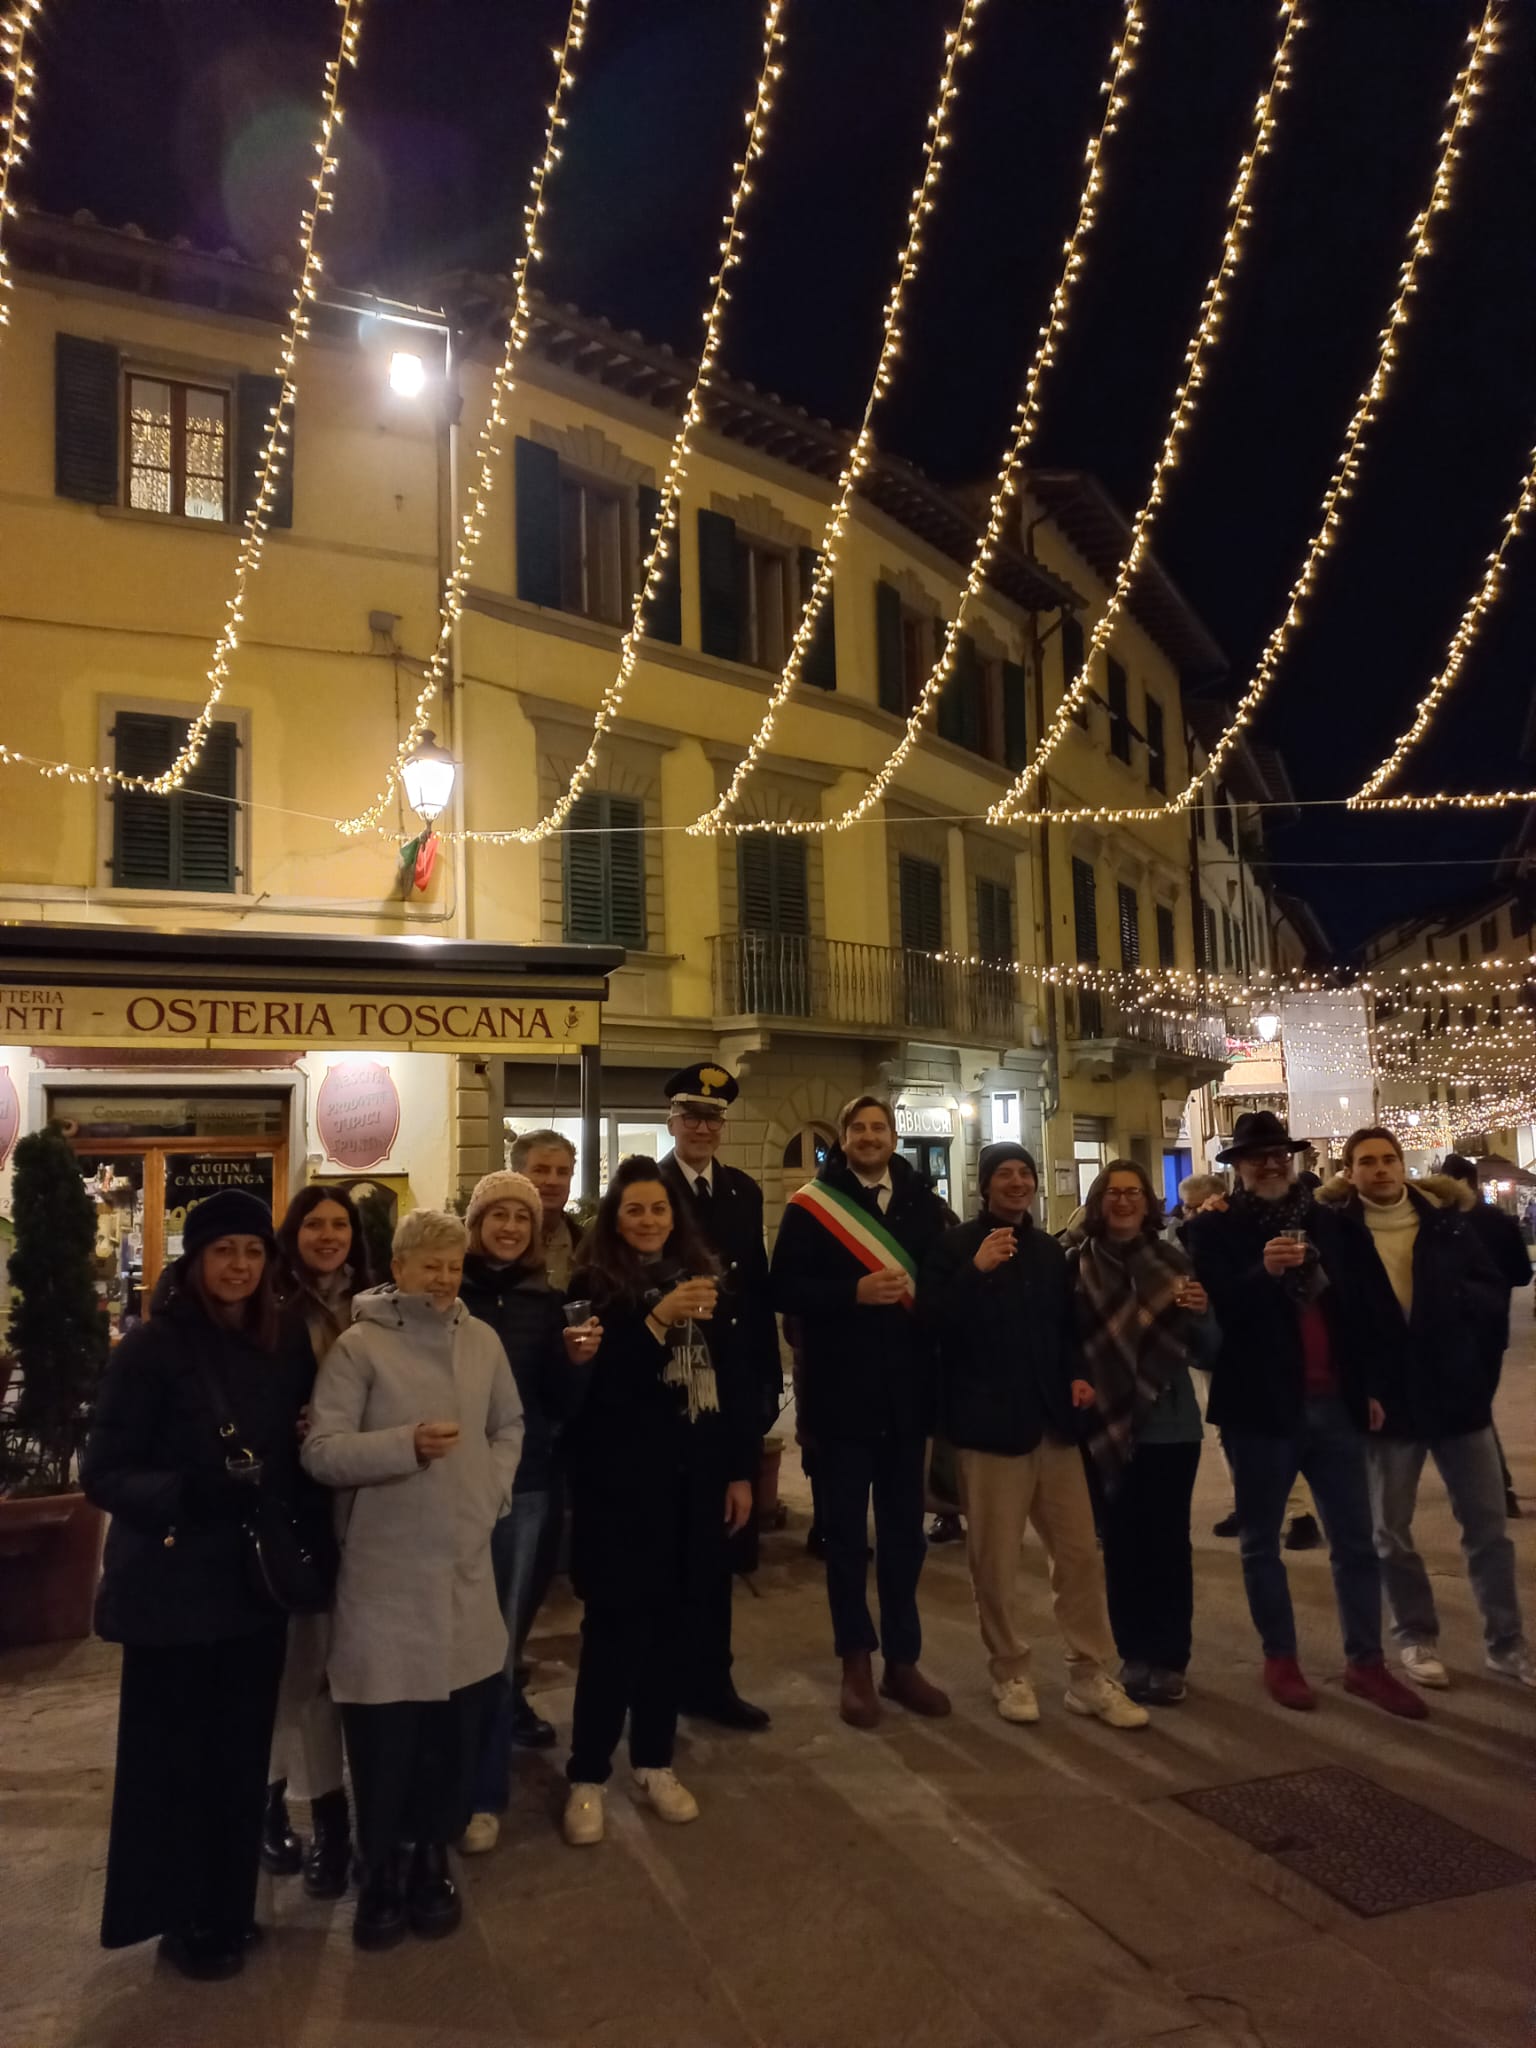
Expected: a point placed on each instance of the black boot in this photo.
(529, 1729)
(433, 1897)
(203, 1955)
(281, 1850)
(330, 1852)
(381, 1920)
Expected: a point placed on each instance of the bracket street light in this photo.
(427, 776)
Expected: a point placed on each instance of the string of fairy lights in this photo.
(957, 46)
(18, 78)
(1004, 496)
(665, 541)
(1482, 602)
(276, 450)
(489, 451)
(1483, 41)
(1202, 343)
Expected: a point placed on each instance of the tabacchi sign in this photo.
(293, 1020)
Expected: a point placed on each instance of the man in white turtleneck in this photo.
(1440, 1404)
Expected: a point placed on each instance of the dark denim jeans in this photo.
(848, 1475)
(1329, 1452)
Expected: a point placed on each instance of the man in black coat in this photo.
(1428, 1301)
(1504, 1241)
(1292, 1391)
(726, 1206)
(996, 1294)
(849, 1250)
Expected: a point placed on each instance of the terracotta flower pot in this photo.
(50, 1560)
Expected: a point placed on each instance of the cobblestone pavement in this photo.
(960, 1884)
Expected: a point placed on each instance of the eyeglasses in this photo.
(702, 1119)
(1124, 1195)
(1277, 1155)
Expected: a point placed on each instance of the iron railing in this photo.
(1094, 1015)
(837, 981)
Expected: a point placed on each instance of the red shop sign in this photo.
(357, 1113)
(10, 1114)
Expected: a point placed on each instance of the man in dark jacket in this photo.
(995, 1293)
(726, 1207)
(849, 1250)
(1293, 1391)
(1429, 1302)
(1504, 1241)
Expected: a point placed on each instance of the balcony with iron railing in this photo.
(1095, 1020)
(838, 983)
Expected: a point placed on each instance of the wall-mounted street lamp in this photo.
(427, 775)
(407, 374)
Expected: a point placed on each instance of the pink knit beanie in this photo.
(492, 1188)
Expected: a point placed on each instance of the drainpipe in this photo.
(453, 684)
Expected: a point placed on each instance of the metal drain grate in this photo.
(1369, 1848)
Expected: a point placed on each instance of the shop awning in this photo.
(120, 985)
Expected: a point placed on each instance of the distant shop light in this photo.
(427, 775)
(407, 374)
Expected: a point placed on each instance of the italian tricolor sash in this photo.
(857, 1231)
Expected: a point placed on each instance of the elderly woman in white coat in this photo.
(416, 1419)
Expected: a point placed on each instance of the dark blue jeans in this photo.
(1330, 1453)
(847, 1476)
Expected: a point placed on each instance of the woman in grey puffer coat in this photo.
(416, 1419)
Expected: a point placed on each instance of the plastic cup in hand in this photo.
(578, 1312)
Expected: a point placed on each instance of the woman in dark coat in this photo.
(661, 1438)
(202, 1651)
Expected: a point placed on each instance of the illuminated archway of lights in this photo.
(665, 540)
(1368, 796)
(18, 76)
(1203, 341)
(1462, 108)
(1026, 420)
(275, 452)
(488, 453)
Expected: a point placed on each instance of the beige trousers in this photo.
(1047, 1487)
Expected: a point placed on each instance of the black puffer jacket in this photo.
(176, 1567)
(1007, 1339)
(528, 1316)
(866, 1372)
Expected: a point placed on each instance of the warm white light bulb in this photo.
(407, 374)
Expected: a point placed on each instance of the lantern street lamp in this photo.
(1267, 1025)
(428, 775)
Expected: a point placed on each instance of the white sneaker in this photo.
(666, 1797)
(1517, 1664)
(482, 1834)
(1105, 1701)
(1016, 1700)
(583, 1823)
(1421, 1664)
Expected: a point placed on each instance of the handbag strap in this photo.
(223, 1413)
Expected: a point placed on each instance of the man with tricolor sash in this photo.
(846, 1263)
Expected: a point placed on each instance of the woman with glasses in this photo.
(1143, 1320)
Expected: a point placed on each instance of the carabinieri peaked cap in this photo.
(706, 1083)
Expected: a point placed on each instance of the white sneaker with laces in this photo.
(1421, 1663)
(482, 1834)
(1016, 1700)
(1105, 1701)
(666, 1798)
(583, 1823)
(1517, 1664)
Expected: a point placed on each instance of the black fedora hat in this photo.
(1259, 1130)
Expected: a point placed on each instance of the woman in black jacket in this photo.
(505, 1284)
(202, 1651)
(661, 1438)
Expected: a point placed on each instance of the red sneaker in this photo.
(1285, 1684)
(1374, 1682)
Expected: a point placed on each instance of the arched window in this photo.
(807, 1150)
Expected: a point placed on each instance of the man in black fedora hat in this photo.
(726, 1206)
(1293, 1390)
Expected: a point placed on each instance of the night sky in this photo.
(195, 118)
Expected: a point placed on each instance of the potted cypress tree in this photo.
(50, 1535)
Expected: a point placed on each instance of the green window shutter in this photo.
(921, 890)
(719, 587)
(185, 840)
(1130, 926)
(1073, 650)
(1118, 692)
(142, 851)
(820, 667)
(664, 619)
(1157, 749)
(255, 398)
(86, 385)
(1167, 942)
(1085, 911)
(205, 819)
(626, 870)
(970, 681)
(1015, 714)
(586, 908)
(889, 666)
(605, 871)
(754, 870)
(537, 472)
(994, 921)
(771, 874)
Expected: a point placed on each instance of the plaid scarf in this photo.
(1132, 1338)
(1294, 1211)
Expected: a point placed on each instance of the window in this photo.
(605, 871)
(1464, 945)
(185, 840)
(961, 715)
(917, 638)
(747, 600)
(592, 550)
(1157, 754)
(775, 921)
(1072, 651)
(921, 888)
(1224, 818)
(1519, 918)
(809, 1149)
(1117, 690)
(1208, 928)
(763, 574)
(994, 922)
(1167, 939)
(1202, 822)
(178, 448)
(1085, 911)
(1490, 933)
(1227, 949)
(1130, 926)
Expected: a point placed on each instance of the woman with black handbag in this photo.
(193, 1452)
